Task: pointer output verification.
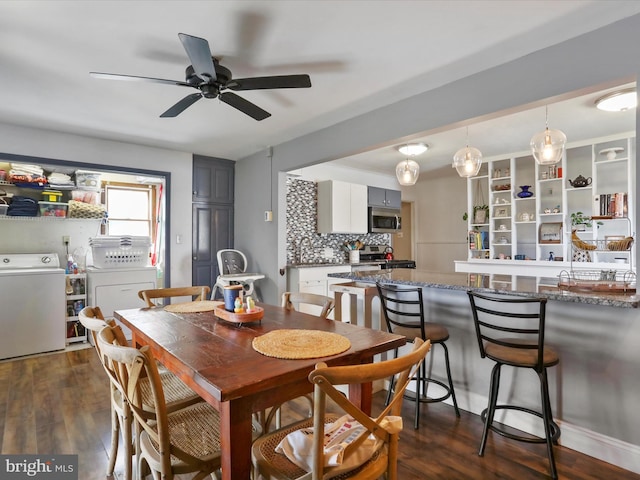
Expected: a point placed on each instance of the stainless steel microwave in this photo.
(384, 220)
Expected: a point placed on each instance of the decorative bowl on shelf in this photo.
(525, 193)
(611, 153)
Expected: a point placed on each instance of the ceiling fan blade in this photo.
(244, 106)
(200, 55)
(133, 78)
(265, 83)
(182, 105)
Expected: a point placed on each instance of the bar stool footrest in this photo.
(423, 399)
(555, 429)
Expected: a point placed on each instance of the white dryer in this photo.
(114, 289)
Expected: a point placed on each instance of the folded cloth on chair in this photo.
(298, 445)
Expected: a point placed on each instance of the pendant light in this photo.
(468, 160)
(407, 171)
(547, 146)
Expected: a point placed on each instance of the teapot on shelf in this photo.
(580, 181)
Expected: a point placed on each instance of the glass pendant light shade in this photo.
(547, 146)
(407, 172)
(467, 161)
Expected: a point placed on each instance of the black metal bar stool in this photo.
(510, 331)
(403, 310)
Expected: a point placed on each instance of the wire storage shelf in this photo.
(607, 280)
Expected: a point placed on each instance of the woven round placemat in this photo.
(193, 307)
(300, 344)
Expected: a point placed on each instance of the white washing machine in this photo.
(32, 304)
(114, 289)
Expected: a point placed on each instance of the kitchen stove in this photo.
(376, 253)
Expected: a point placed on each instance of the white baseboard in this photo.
(611, 450)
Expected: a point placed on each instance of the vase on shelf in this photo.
(525, 193)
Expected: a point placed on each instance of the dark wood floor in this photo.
(59, 403)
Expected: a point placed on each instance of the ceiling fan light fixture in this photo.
(467, 161)
(413, 149)
(547, 147)
(407, 172)
(618, 101)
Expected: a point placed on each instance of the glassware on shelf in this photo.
(525, 193)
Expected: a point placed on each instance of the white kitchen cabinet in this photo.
(314, 280)
(114, 289)
(342, 207)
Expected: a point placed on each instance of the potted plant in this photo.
(580, 221)
(480, 214)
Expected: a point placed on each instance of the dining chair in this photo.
(372, 447)
(178, 394)
(510, 331)
(403, 310)
(169, 443)
(196, 293)
(293, 301)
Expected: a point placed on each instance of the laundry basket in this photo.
(120, 251)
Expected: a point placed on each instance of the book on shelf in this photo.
(478, 240)
(612, 205)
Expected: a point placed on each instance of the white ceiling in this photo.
(360, 56)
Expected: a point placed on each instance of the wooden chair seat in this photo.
(517, 357)
(432, 331)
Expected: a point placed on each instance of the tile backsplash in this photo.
(301, 217)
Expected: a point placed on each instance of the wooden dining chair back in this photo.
(385, 427)
(511, 331)
(293, 300)
(168, 443)
(155, 297)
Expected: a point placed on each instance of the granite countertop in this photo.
(493, 283)
(332, 264)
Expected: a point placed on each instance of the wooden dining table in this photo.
(216, 359)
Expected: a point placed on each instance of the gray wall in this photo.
(607, 54)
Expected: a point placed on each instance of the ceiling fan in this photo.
(213, 80)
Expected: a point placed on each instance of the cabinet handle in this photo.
(195, 258)
(195, 193)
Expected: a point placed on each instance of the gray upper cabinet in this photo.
(382, 197)
(212, 180)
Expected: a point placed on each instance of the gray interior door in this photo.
(212, 231)
(212, 210)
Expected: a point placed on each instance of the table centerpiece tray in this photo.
(254, 315)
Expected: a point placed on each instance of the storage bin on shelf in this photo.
(120, 251)
(87, 180)
(53, 209)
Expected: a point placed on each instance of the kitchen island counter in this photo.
(521, 285)
(594, 389)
